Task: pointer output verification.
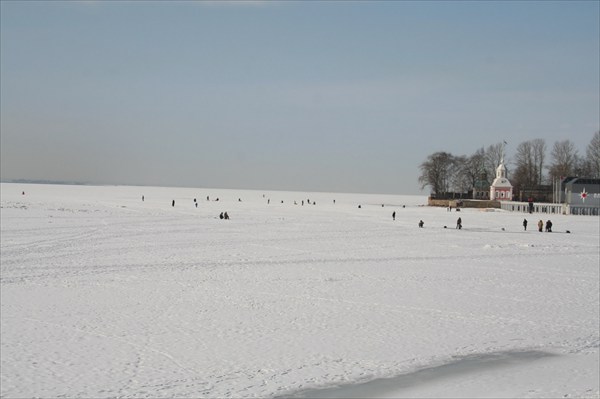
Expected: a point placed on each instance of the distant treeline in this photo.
(527, 170)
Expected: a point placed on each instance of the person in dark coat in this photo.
(221, 216)
(549, 226)
(525, 224)
(173, 203)
(459, 223)
(226, 216)
(394, 215)
(421, 223)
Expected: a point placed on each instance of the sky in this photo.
(327, 96)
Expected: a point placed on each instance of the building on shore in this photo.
(501, 189)
(573, 196)
(582, 195)
(481, 188)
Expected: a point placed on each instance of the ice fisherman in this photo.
(459, 223)
(394, 215)
(540, 225)
(525, 224)
(421, 223)
(549, 226)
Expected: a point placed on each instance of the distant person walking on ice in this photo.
(421, 223)
(173, 203)
(459, 223)
(541, 225)
(394, 215)
(525, 224)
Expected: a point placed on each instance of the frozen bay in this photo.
(106, 295)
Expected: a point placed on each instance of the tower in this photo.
(501, 189)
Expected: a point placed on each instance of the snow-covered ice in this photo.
(106, 295)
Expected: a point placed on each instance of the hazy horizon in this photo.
(299, 96)
(216, 188)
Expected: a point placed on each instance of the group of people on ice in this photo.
(540, 225)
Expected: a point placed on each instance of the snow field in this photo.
(104, 295)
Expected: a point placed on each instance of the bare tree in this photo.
(539, 156)
(462, 174)
(493, 157)
(564, 159)
(529, 164)
(438, 172)
(525, 175)
(472, 169)
(592, 159)
(582, 167)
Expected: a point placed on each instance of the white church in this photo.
(501, 189)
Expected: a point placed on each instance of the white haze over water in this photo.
(106, 295)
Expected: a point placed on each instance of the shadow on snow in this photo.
(454, 369)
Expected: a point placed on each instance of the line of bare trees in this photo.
(445, 173)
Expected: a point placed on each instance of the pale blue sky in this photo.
(302, 96)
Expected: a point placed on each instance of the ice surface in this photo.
(106, 295)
